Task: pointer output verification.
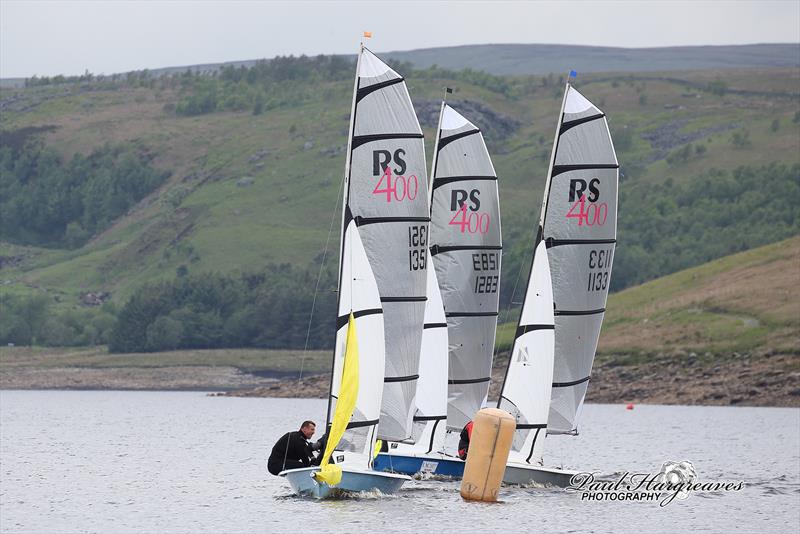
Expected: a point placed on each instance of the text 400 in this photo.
(399, 189)
(472, 222)
(593, 214)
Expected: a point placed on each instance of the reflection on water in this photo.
(112, 461)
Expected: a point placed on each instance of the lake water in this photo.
(111, 461)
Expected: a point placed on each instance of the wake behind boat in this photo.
(353, 480)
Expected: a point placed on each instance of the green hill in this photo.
(254, 164)
(739, 303)
(726, 332)
(744, 302)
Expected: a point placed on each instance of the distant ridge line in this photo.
(522, 59)
(519, 59)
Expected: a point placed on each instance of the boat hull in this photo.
(515, 473)
(411, 465)
(528, 474)
(353, 481)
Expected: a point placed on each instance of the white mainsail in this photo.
(358, 294)
(527, 386)
(431, 400)
(579, 228)
(386, 192)
(466, 247)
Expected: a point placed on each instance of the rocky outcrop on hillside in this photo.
(669, 135)
(494, 125)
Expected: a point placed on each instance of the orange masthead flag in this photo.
(367, 34)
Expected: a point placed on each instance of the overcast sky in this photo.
(46, 37)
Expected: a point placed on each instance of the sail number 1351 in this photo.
(417, 245)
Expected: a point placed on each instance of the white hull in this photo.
(517, 473)
(353, 481)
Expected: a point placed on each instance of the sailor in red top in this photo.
(463, 443)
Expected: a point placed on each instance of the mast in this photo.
(553, 152)
(345, 196)
(526, 394)
(387, 198)
(539, 230)
(436, 146)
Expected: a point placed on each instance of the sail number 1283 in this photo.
(481, 262)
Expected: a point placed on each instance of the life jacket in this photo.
(463, 443)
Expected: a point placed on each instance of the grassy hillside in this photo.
(738, 303)
(267, 362)
(248, 189)
(725, 333)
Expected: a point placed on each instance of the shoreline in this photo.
(759, 378)
(232, 394)
(766, 379)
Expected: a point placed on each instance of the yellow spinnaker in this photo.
(331, 474)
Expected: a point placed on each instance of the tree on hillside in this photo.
(23, 319)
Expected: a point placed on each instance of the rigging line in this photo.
(508, 312)
(319, 277)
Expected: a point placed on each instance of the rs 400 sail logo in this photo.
(585, 208)
(394, 185)
(468, 217)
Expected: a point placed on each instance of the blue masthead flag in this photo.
(572, 74)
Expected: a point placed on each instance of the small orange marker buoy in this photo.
(629, 406)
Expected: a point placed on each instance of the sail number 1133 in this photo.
(599, 269)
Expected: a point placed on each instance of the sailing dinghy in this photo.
(381, 285)
(356, 384)
(559, 325)
(461, 311)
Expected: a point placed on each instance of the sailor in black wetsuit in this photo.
(292, 450)
(319, 446)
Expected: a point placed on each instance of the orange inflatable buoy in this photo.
(629, 406)
(492, 434)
